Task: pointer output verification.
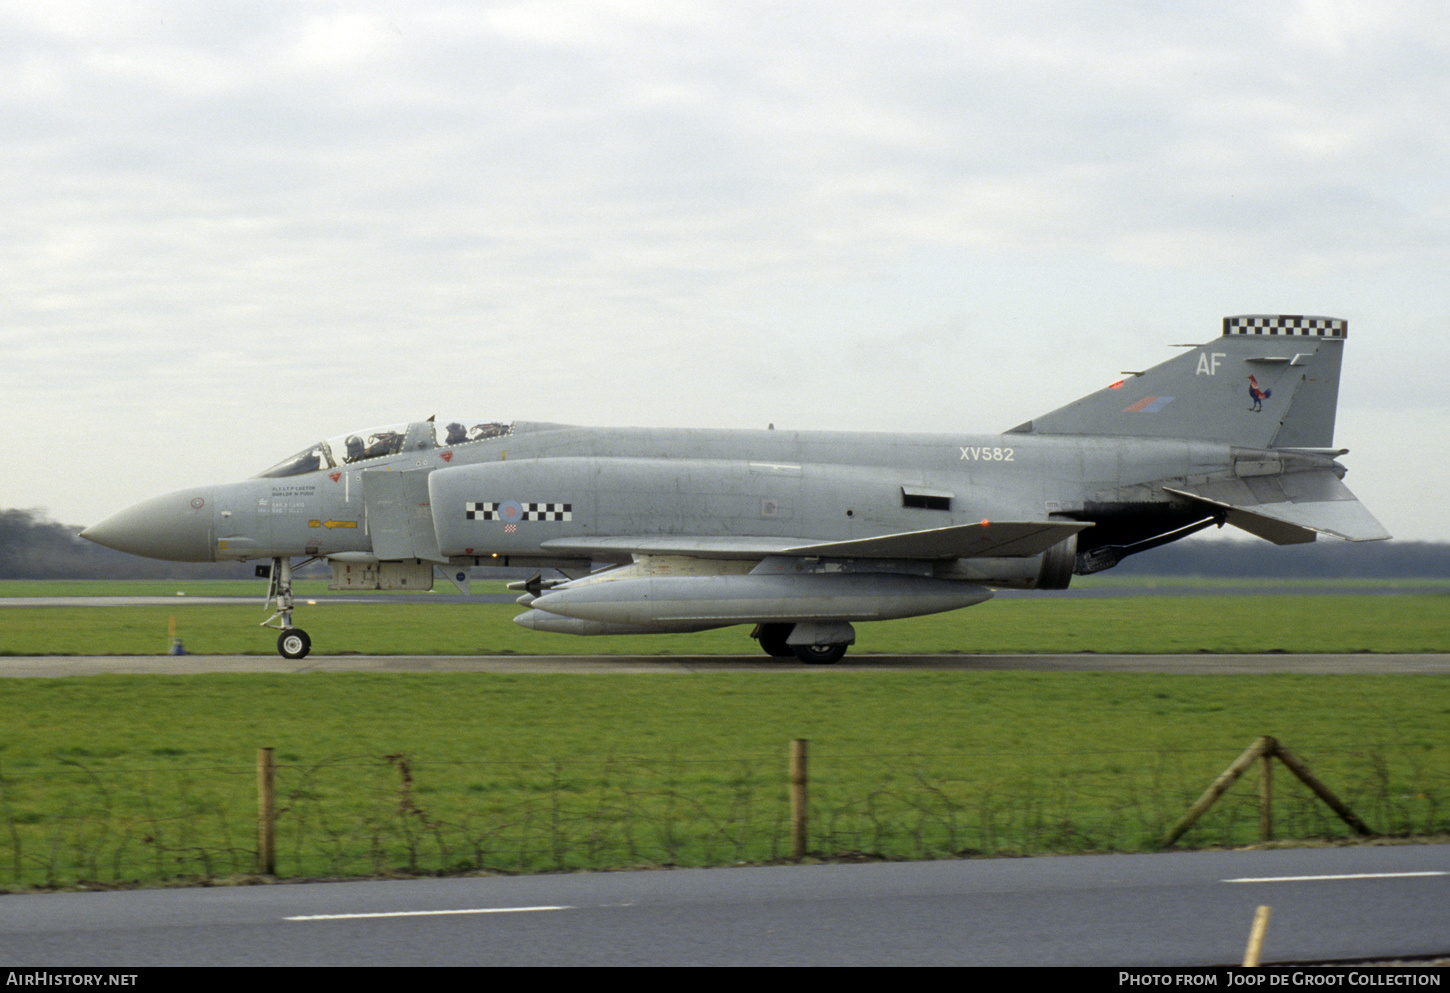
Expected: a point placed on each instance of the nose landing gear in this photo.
(292, 643)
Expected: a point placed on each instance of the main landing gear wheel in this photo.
(772, 640)
(293, 643)
(819, 654)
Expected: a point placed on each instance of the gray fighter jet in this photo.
(800, 534)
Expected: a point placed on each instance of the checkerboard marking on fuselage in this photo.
(527, 512)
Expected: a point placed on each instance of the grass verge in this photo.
(1131, 625)
(117, 779)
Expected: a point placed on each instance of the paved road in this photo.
(1105, 910)
(50, 666)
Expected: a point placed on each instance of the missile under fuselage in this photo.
(696, 602)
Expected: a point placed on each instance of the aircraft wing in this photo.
(963, 541)
(995, 538)
(667, 544)
(1289, 508)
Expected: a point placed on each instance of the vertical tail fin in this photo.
(1267, 382)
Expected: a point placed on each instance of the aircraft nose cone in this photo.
(177, 527)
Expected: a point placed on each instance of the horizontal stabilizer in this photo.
(995, 538)
(1289, 508)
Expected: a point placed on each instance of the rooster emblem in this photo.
(1258, 395)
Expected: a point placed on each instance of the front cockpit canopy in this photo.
(375, 443)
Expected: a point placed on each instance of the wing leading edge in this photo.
(997, 538)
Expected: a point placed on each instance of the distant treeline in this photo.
(1327, 558)
(32, 547)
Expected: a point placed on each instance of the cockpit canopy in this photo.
(375, 443)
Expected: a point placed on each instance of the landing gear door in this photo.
(399, 517)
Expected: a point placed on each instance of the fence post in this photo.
(1267, 749)
(1320, 790)
(1262, 746)
(266, 814)
(1266, 796)
(799, 789)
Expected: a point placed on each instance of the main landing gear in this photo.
(772, 638)
(292, 643)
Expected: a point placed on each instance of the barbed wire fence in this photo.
(87, 821)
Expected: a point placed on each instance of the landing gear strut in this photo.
(292, 643)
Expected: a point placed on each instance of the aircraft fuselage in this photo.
(799, 532)
(505, 497)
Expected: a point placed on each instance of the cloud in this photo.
(274, 222)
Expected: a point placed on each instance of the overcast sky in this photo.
(234, 228)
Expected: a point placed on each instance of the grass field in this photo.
(123, 779)
(1321, 622)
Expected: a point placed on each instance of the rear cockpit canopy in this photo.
(375, 443)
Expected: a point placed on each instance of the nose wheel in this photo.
(292, 643)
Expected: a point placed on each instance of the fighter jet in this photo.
(799, 534)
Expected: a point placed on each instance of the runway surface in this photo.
(1174, 909)
(54, 666)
